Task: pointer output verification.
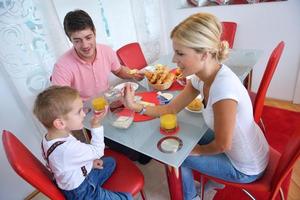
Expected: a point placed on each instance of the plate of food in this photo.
(120, 87)
(195, 106)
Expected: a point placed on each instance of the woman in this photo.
(234, 148)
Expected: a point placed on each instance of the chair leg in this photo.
(143, 194)
(281, 193)
(202, 187)
(263, 125)
(249, 194)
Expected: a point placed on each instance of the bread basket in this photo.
(163, 86)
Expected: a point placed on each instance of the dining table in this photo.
(146, 137)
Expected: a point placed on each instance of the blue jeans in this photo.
(91, 188)
(213, 165)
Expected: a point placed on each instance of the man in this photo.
(87, 65)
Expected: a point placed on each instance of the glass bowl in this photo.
(121, 118)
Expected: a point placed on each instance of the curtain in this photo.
(148, 26)
(31, 39)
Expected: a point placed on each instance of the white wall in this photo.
(119, 16)
(260, 26)
(12, 119)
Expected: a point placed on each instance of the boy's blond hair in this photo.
(54, 102)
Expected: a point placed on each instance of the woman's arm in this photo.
(176, 105)
(224, 123)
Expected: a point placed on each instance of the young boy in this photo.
(78, 170)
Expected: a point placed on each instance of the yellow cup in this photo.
(99, 104)
(168, 122)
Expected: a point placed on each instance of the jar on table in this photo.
(114, 98)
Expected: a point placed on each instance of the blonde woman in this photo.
(234, 148)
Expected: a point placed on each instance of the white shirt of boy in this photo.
(68, 158)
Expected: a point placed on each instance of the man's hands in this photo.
(137, 75)
(98, 164)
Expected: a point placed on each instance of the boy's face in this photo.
(84, 42)
(73, 120)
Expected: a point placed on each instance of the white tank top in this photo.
(249, 152)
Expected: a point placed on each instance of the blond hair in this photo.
(202, 32)
(54, 102)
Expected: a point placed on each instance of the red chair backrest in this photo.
(265, 81)
(228, 33)
(287, 160)
(29, 167)
(131, 56)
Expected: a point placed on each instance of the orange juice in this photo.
(99, 104)
(168, 122)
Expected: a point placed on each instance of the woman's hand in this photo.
(98, 118)
(195, 151)
(128, 96)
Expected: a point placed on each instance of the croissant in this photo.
(148, 75)
(162, 77)
(169, 78)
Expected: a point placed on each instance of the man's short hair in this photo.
(54, 102)
(77, 20)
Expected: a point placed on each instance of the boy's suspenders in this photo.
(51, 149)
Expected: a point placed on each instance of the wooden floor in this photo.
(294, 190)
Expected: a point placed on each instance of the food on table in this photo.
(133, 71)
(99, 104)
(195, 105)
(146, 103)
(168, 122)
(161, 78)
(178, 73)
(123, 122)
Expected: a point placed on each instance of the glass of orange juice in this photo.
(99, 104)
(168, 122)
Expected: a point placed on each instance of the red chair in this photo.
(126, 177)
(258, 98)
(131, 55)
(228, 33)
(277, 170)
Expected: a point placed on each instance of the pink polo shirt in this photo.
(88, 79)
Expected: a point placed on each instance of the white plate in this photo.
(193, 111)
(122, 85)
(150, 68)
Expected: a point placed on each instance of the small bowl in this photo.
(164, 98)
(121, 118)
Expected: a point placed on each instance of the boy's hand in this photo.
(97, 118)
(98, 164)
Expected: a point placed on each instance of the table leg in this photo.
(174, 182)
(248, 81)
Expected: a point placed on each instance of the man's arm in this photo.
(126, 73)
(61, 76)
